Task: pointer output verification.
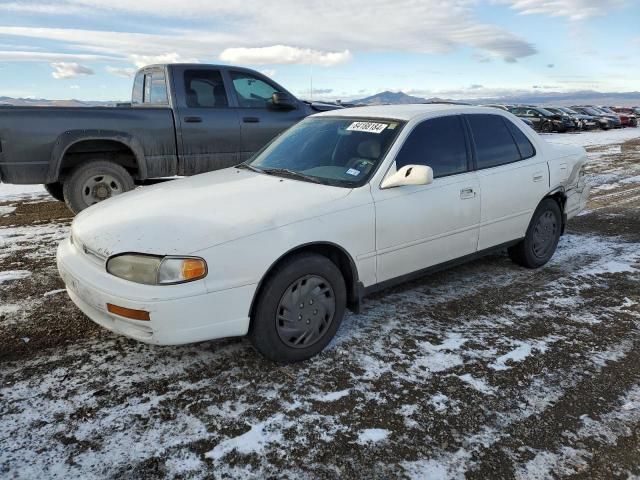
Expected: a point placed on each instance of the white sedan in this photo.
(342, 204)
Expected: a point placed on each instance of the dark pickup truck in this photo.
(183, 119)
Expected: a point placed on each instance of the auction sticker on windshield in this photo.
(370, 127)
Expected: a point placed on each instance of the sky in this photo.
(90, 49)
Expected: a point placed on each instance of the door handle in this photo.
(250, 119)
(467, 193)
(193, 119)
(538, 176)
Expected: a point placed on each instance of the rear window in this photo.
(150, 88)
(524, 145)
(494, 143)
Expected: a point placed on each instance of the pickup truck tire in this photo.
(541, 240)
(55, 190)
(300, 308)
(93, 182)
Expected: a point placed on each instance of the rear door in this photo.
(513, 178)
(208, 127)
(260, 121)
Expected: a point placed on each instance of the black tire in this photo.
(93, 182)
(55, 190)
(275, 327)
(546, 127)
(541, 240)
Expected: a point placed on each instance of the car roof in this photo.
(407, 112)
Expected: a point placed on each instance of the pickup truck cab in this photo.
(183, 119)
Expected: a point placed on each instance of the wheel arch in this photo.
(560, 197)
(121, 147)
(332, 251)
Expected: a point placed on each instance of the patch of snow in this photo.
(54, 292)
(372, 435)
(331, 396)
(595, 137)
(477, 383)
(6, 210)
(11, 275)
(9, 192)
(253, 441)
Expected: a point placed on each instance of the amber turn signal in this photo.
(129, 312)
(193, 268)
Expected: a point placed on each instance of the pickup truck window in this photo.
(205, 88)
(138, 88)
(252, 92)
(158, 93)
(438, 143)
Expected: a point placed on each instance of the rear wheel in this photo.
(95, 181)
(541, 240)
(55, 190)
(299, 310)
(546, 127)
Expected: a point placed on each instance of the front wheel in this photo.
(95, 181)
(299, 309)
(541, 239)
(546, 127)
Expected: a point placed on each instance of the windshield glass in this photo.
(336, 151)
(544, 112)
(568, 110)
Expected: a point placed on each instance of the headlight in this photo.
(154, 270)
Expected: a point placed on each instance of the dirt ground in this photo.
(484, 371)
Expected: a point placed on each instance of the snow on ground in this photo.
(10, 192)
(593, 137)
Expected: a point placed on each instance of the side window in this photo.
(494, 143)
(438, 143)
(138, 87)
(252, 92)
(205, 88)
(523, 143)
(158, 92)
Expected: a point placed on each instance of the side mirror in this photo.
(283, 101)
(409, 175)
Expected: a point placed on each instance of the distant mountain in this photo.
(386, 98)
(542, 98)
(41, 102)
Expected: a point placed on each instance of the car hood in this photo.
(183, 216)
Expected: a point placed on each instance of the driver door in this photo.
(420, 226)
(260, 121)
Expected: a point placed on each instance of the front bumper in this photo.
(179, 313)
(577, 198)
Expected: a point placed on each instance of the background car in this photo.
(605, 121)
(585, 122)
(627, 118)
(544, 120)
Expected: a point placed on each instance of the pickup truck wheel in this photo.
(541, 240)
(299, 310)
(55, 190)
(93, 182)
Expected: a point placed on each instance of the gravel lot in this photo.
(483, 371)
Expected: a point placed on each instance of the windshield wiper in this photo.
(285, 172)
(249, 167)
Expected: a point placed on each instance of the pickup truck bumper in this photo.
(196, 316)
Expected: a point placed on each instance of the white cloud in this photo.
(330, 27)
(269, 72)
(283, 54)
(30, 56)
(572, 9)
(74, 87)
(69, 70)
(121, 72)
(143, 60)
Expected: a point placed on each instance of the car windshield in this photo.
(337, 151)
(545, 112)
(568, 110)
(592, 111)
